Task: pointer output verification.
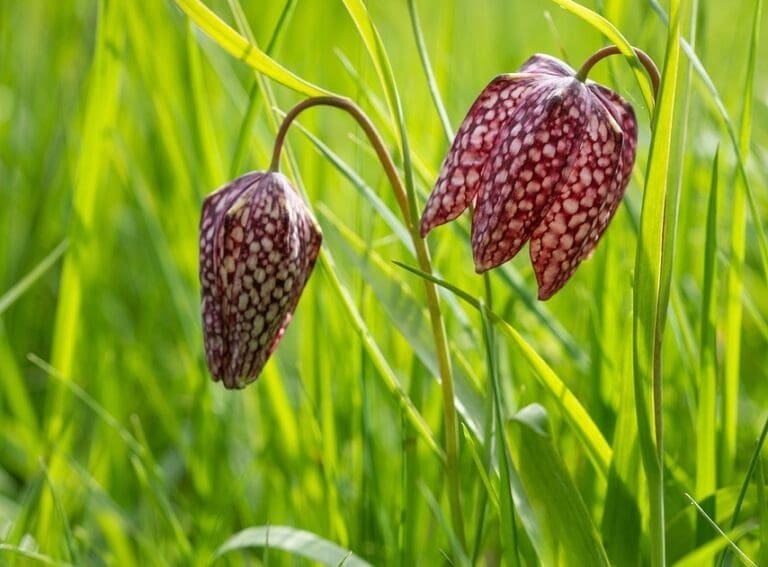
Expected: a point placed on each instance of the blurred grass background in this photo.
(118, 117)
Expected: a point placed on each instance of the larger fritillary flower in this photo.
(258, 245)
(545, 157)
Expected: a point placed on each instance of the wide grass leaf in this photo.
(296, 542)
(551, 491)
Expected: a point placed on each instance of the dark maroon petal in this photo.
(264, 246)
(570, 222)
(459, 176)
(623, 113)
(526, 168)
(215, 207)
(547, 65)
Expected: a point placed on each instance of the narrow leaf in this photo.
(296, 542)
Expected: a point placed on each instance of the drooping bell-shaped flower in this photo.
(258, 245)
(545, 157)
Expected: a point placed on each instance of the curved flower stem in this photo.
(425, 264)
(650, 66)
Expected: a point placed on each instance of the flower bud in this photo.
(258, 245)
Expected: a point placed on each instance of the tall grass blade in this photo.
(735, 278)
(239, 47)
(434, 91)
(579, 419)
(651, 290)
(508, 535)
(706, 433)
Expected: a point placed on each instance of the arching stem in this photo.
(600, 54)
(433, 302)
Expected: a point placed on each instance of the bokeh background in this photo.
(118, 117)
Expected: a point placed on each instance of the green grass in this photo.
(116, 448)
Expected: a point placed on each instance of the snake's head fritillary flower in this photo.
(258, 245)
(545, 157)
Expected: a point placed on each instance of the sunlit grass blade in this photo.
(8, 549)
(68, 538)
(428, 72)
(551, 490)
(299, 543)
(10, 296)
(143, 464)
(706, 433)
(762, 507)
(408, 316)
(508, 536)
(745, 483)
(651, 290)
(706, 553)
(735, 278)
(98, 116)
(735, 548)
(741, 156)
(240, 48)
(622, 528)
(384, 370)
(579, 419)
(249, 120)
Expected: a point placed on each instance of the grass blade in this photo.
(731, 544)
(735, 283)
(240, 48)
(651, 291)
(10, 296)
(614, 35)
(428, 72)
(588, 433)
(552, 492)
(299, 543)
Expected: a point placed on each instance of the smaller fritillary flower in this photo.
(258, 245)
(545, 157)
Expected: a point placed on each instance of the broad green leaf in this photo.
(229, 40)
(554, 496)
(296, 542)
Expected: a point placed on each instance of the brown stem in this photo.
(650, 66)
(433, 301)
(365, 124)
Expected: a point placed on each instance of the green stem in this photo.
(404, 201)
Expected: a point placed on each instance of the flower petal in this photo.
(460, 173)
(267, 245)
(570, 222)
(526, 168)
(547, 65)
(624, 115)
(215, 207)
